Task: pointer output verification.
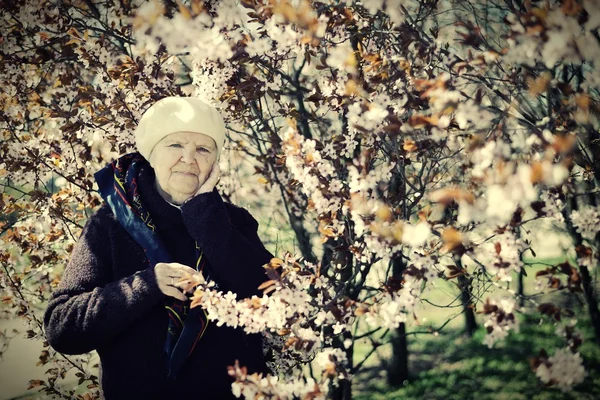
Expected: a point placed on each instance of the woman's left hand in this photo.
(211, 181)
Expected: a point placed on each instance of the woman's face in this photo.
(182, 161)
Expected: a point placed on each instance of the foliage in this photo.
(452, 367)
(431, 132)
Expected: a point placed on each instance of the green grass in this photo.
(452, 366)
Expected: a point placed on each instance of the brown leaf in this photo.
(35, 383)
(571, 8)
(551, 310)
(393, 128)
(326, 230)
(539, 85)
(555, 283)
(266, 284)
(534, 363)
(384, 213)
(574, 281)
(197, 7)
(448, 195)
(564, 143)
(291, 342)
(274, 263)
(537, 172)
(43, 358)
(410, 145)
(183, 10)
(565, 268)
(421, 121)
(546, 308)
(583, 101)
(489, 308)
(361, 310)
(543, 272)
(452, 239)
(583, 251)
(269, 290)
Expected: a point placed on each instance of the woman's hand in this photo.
(169, 275)
(211, 181)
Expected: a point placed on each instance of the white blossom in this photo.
(586, 220)
(500, 320)
(564, 369)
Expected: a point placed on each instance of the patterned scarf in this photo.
(118, 185)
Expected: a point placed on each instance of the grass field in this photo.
(453, 366)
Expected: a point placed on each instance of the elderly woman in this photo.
(162, 219)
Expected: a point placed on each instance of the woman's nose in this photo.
(188, 154)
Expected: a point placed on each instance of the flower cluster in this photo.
(287, 310)
(509, 188)
(317, 178)
(564, 369)
(500, 320)
(552, 205)
(257, 314)
(501, 255)
(400, 298)
(382, 233)
(586, 220)
(253, 386)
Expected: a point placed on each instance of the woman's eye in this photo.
(175, 145)
(201, 150)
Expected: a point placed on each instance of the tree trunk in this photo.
(303, 238)
(464, 285)
(522, 274)
(335, 254)
(465, 295)
(398, 367)
(592, 301)
(520, 288)
(344, 390)
(586, 279)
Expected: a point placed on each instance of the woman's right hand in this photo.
(168, 275)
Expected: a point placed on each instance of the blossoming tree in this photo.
(403, 142)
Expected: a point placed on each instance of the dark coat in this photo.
(109, 301)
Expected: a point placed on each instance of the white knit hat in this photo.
(178, 114)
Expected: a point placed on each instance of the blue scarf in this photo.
(118, 185)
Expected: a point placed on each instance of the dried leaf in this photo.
(361, 310)
(266, 284)
(274, 263)
(454, 271)
(539, 85)
(34, 383)
(448, 195)
(583, 101)
(498, 247)
(410, 146)
(543, 272)
(452, 239)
